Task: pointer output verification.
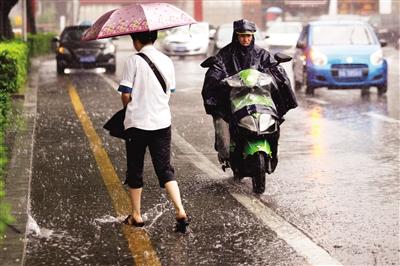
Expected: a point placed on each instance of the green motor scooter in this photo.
(254, 125)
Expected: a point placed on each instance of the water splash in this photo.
(34, 229)
(156, 212)
(109, 219)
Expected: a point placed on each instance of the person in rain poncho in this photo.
(242, 53)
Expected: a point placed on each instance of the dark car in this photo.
(72, 52)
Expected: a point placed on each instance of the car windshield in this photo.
(279, 28)
(199, 28)
(75, 35)
(342, 35)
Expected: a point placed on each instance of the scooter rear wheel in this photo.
(259, 173)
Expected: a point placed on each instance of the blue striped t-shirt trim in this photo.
(124, 89)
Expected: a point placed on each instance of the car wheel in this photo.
(382, 89)
(60, 69)
(111, 69)
(309, 90)
(365, 92)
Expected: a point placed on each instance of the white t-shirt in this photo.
(149, 108)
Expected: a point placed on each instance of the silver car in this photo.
(186, 40)
(282, 36)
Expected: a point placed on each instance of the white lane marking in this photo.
(382, 117)
(321, 102)
(111, 82)
(197, 158)
(313, 253)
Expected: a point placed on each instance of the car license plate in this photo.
(180, 49)
(350, 73)
(87, 59)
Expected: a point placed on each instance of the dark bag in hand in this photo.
(116, 124)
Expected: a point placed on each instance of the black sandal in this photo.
(182, 224)
(131, 221)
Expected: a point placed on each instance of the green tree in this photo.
(31, 10)
(5, 24)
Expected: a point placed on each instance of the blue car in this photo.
(339, 55)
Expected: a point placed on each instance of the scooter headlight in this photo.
(248, 122)
(376, 57)
(266, 121)
(318, 58)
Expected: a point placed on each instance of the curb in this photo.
(18, 176)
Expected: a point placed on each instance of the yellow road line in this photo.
(138, 240)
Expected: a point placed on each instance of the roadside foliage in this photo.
(14, 66)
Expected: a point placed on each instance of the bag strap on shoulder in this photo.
(155, 70)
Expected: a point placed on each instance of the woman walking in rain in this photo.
(147, 80)
(148, 123)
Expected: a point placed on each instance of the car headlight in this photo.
(63, 50)
(376, 57)
(109, 49)
(318, 58)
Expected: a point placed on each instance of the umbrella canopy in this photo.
(137, 18)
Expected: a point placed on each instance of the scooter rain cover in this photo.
(250, 87)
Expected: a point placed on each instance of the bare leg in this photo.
(175, 196)
(136, 194)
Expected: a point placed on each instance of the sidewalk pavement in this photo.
(18, 175)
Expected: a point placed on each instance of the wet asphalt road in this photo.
(337, 181)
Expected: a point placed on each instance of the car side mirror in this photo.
(383, 42)
(266, 37)
(282, 58)
(115, 38)
(55, 41)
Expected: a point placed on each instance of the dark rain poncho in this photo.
(230, 60)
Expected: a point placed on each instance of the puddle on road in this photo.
(150, 217)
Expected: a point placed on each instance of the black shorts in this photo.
(159, 143)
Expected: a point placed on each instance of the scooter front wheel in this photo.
(258, 179)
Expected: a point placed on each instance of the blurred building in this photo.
(210, 10)
(296, 10)
(252, 10)
(53, 15)
(360, 7)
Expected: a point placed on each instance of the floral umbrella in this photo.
(137, 18)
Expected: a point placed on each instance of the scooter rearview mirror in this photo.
(281, 57)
